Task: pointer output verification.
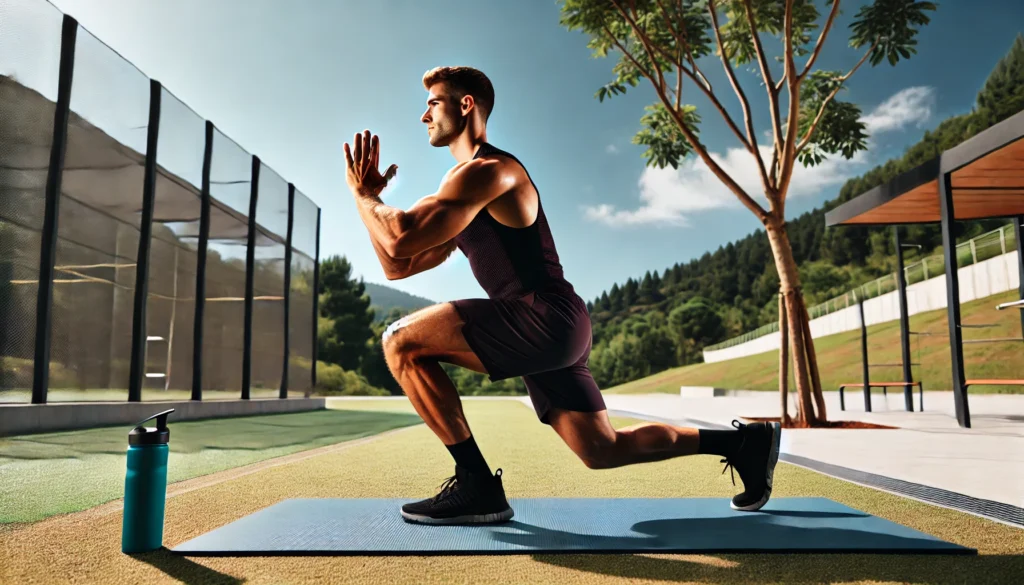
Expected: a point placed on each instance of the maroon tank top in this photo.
(511, 262)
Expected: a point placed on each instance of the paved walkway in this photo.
(927, 448)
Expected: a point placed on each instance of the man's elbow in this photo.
(403, 246)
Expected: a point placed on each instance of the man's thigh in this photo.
(434, 331)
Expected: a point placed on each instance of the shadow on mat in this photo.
(758, 531)
(799, 569)
(184, 570)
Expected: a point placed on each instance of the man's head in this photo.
(460, 99)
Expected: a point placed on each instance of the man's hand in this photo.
(361, 174)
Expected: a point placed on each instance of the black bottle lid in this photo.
(159, 435)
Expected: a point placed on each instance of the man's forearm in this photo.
(381, 220)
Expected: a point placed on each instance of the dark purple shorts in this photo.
(543, 337)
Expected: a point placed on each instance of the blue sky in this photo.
(292, 81)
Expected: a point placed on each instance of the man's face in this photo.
(443, 117)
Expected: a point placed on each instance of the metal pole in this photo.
(250, 274)
(864, 356)
(1020, 263)
(138, 360)
(48, 241)
(204, 240)
(170, 332)
(316, 303)
(908, 394)
(288, 291)
(963, 414)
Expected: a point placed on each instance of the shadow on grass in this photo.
(184, 570)
(809, 568)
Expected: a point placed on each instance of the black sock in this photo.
(724, 443)
(468, 456)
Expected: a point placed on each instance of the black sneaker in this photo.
(465, 498)
(755, 461)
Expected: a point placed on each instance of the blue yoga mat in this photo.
(567, 525)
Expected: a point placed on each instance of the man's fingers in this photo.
(348, 156)
(390, 174)
(367, 151)
(375, 149)
(358, 140)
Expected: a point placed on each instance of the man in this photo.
(532, 324)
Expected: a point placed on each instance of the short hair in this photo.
(464, 81)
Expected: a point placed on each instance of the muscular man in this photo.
(532, 325)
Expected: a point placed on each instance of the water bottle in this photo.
(145, 486)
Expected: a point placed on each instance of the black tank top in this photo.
(511, 262)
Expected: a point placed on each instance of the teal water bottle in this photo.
(145, 486)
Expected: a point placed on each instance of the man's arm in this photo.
(435, 219)
(423, 261)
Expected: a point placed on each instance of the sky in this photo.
(293, 81)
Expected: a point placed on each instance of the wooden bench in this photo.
(842, 401)
(970, 383)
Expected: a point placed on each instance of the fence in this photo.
(978, 249)
(144, 255)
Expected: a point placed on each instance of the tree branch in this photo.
(747, 119)
(824, 104)
(702, 152)
(788, 157)
(651, 48)
(680, 37)
(773, 94)
(821, 38)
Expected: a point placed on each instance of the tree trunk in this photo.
(784, 361)
(796, 320)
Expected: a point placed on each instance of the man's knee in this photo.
(395, 343)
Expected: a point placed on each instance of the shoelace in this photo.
(447, 488)
(729, 465)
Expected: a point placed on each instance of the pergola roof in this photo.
(987, 178)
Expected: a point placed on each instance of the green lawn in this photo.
(54, 473)
(839, 357)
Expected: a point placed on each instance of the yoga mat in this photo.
(567, 525)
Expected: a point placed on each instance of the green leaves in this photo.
(890, 24)
(667, 145)
(840, 129)
(769, 18)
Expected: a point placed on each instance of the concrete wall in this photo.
(22, 419)
(977, 281)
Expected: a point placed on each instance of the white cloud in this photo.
(611, 149)
(913, 105)
(669, 196)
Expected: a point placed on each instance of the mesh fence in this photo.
(268, 285)
(224, 317)
(302, 323)
(98, 225)
(29, 73)
(99, 228)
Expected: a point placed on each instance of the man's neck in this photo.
(465, 147)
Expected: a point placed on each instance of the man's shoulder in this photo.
(485, 170)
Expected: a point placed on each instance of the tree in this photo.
(346, 306)
(657, 36)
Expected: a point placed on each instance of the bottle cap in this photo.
(159, 435)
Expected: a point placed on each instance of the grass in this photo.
(55, 473)
(839, 357)
(84, 547)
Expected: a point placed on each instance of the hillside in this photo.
(660, 321)
(384, 298)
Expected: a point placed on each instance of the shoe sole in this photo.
(773, 459)
(493, 518)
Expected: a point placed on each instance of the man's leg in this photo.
(590, 435)
(753, 450)
(414, 348)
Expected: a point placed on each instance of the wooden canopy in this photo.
(986, 176)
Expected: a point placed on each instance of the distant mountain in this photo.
(384, 298)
